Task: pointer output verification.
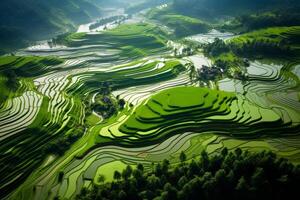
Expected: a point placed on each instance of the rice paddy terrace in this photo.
(55, 141)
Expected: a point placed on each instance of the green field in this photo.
(273, 35)
(282, 41)
(96, 102)
(134, 40)
(182, 25)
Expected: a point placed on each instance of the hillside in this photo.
(26, 20)
(213, 8)
(149, 99)
(230, 175)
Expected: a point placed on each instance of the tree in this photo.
(193, 168)
(215, 162)
(224, 152)
(101, 178)
(153, 182)
(209, 187)
(258, 178)
(140, 167)
(60, 176)
(83, 191)
(121, 103)
(193, 72)
(182, 181)
(170, 192)
(158, 170)
(117, 175)
(216, 48)
(222, 64)
(230, 177)
(252, 176)
(146, 194)
(242, 185)
(137, 174)
(165, 166)
(182, 157)
(204, 160)
(220, 176)
(127, 172)
(122, 195)
(238, 152)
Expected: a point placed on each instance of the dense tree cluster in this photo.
(8, 83)
(225, 64)
(229, 175)
(260, 47)
(251, 48)
(276, 18)
(12, 80)
(60, 145)
(206, 73)
(216, 48)
(105, 104)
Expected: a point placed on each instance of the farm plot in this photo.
(137, 94)
(86, 170)
(271, 87)
(163, 115)
(120, 45)
(129, 75)
(210, 36)
(191, 108)
(19, 113)
(37, 115)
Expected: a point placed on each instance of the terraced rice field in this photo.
(210, 36)
(275, 35)
(19, 113)
(165, 113)
(269, 86)
(192, 108)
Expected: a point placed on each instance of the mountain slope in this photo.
(38, 19)
(210, 8)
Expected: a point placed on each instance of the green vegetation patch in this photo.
(105, 172)
(172, 105)
(275, 18)
(29, 66)
(245, 174)
(16, 69)
(134, 40)
(131, 75)
(275, 41)
(274, 34)
(183, 109)
(183, 25)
